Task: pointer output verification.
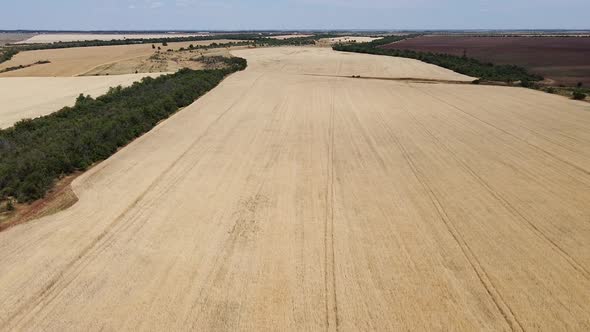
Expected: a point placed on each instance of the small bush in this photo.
(578, 95)
(550, 90)
(9, 205)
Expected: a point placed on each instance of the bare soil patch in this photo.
(58, 199)
(563, 60)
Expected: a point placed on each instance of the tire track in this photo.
(95, 245)
(503, 308)
(227, 248)
(331, 300)
(510, 207)
(552, 155)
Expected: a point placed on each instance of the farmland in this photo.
(71, 37)
(561, 60)
(30, 97)
(80, 61)
(294, 196)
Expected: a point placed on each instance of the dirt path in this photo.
(282, 200)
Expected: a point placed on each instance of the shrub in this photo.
(578, 95)
(9, 205)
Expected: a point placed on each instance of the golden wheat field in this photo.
(31, 97)
(79, 61)
(295, 197)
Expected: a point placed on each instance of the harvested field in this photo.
(162, 62)
(65, 37)
(286, 201)
(295, 35)
(82, 60)
(31, 97)
(350, 39)
(561, 60)
(12, 37)
(322, 61)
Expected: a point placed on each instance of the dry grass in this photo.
(31, 97)
(84, 60)
(284, 201)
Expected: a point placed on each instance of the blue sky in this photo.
(293, 14)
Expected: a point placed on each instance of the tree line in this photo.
(460, 64)
(241, 39)
(7, 54)
(35, 153)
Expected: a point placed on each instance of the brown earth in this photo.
(564, 60)
(288, 201)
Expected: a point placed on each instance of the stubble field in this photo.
(295, 197)
(81, 61)
(70, 37)
(30, 97)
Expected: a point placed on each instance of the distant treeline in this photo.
(249, 38)
(115, 42)
(460, 64)
(257, 38)
(35, 153)
(295, 41)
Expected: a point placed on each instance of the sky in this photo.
(292, 14)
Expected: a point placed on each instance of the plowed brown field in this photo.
(561, 60)
(288, 201)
